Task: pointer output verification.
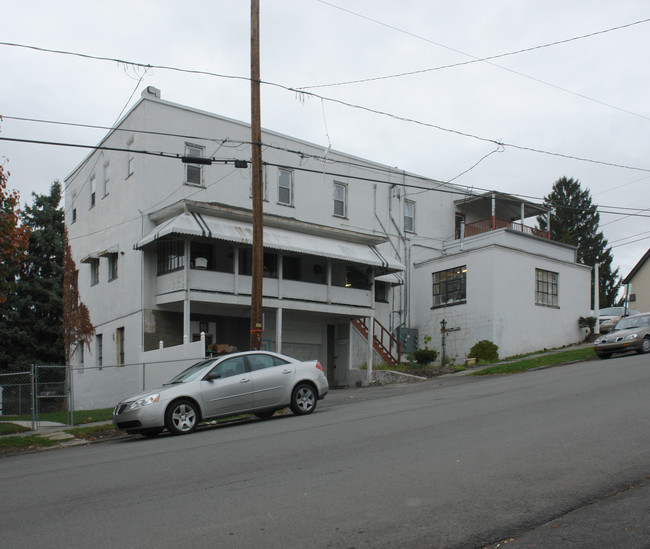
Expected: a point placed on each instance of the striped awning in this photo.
(199, 225)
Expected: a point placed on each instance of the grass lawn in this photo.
(80, 416)
(525, 364)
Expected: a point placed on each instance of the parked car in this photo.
(609, 316)
(632, 333)
(257, 382)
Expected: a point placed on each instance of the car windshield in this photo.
(190, 373)
(633, 322)
(611, 311)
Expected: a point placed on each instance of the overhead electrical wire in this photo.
(462, 63)
(486, 60)
(177, 156)
(346, 104)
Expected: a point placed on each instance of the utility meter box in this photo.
(408, 337)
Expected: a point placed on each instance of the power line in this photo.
(475, 59)
(225, 161)
(349, 105)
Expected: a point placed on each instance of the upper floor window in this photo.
(99, 349)
(93, 190)
(119, 342)
(546, 284)
(340, 199)
(107, 178)
(74, 215)
(285, 187)
(450, 287)
(94, 271)
(409, 216)
(194, 172)
(112, 266)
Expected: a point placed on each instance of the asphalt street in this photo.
(553, 458)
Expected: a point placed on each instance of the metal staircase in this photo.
(388, 348)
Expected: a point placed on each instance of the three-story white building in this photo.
(163, 249)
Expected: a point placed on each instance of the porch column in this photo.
(278, 330)
(522, 217)
(186, 302)
(328, 276)
(494, 212)
(371, 339)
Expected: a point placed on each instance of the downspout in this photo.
(399, 256)
(402, 237)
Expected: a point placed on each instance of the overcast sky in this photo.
(582, 104)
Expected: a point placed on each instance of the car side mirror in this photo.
(211, 377)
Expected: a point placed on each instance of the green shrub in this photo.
(484, 350)
(424, 356)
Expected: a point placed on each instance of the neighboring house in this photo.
(164, 250)
(638, 285)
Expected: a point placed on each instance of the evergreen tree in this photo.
(31, 319)
(575, 220)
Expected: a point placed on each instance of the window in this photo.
(340, 199)
(546, 288)
(94, 271)
(409, 216)
(381, 291)
(285, 187)
(93, 190)
(230, 367)
(171, 255)
(107, 178)
(74, 214)
(99, 349)
(449, 287)
(193, 172)
(119, 342)
(112, 266)
(259, 362)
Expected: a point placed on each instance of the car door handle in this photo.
(286, 371)
(244, 380)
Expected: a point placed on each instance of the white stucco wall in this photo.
(500, 303)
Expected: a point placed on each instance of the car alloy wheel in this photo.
(303, 399)
(181, 417)
(645, 345)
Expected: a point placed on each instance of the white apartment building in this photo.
(163, 250)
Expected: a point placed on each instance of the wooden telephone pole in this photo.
(256, 149)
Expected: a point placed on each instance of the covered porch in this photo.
(477, 214)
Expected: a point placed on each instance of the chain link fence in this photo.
(69, 396)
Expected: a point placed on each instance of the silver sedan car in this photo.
(257, 382)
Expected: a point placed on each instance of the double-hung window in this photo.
(193, 172)
(340, 200)
(450, 287)
(94, 271)
(99, 349)
(409, 216)
(112, 266)
(546, 285)
(285, 187)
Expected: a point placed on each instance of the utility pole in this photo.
(256, 150)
